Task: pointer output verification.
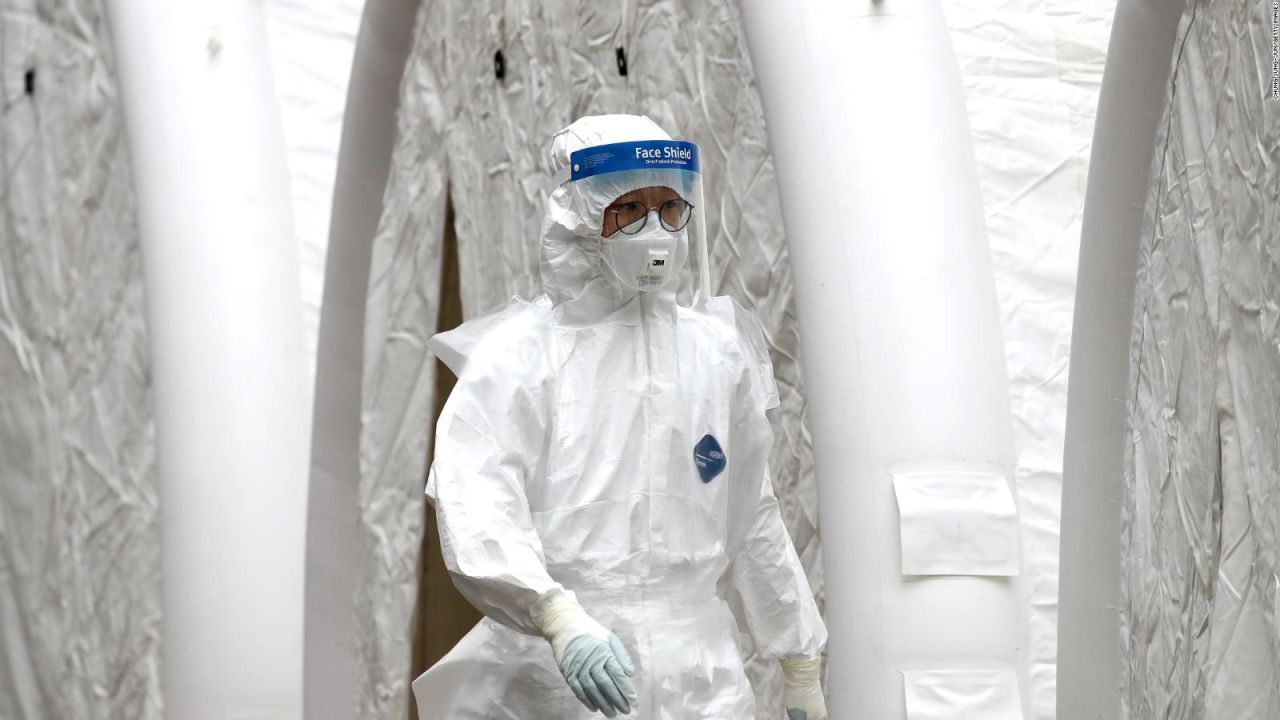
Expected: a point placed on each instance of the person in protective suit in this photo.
(601, 475)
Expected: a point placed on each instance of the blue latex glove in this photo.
(593, 661)
(599, 673)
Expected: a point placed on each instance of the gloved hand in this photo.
(591, 658)
(802, 689)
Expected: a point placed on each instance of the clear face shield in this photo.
(644, 201)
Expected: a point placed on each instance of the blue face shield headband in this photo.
(639, 155)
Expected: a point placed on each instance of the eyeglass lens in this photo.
(673, 214)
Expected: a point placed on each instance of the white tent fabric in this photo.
(79, 531)
(1030, 69)
(1201, 512)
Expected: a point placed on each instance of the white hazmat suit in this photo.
(610, 446)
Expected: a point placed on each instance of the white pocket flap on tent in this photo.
(962, 695)
(957, 523)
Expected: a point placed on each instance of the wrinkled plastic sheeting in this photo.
(1031, 72)
(79, 538)
(1201, 530)
(485, 139)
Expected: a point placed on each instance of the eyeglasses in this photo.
(631, 216)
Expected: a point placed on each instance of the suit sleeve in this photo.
(489, 438)
(780, 613)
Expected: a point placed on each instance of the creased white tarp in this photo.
(79, 537)
(956, 523)
(1201, 513)
(485, 140)
(962, 695)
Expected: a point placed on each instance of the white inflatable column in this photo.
(903, 358)
(224, 313)
(1091, 662)
(332, 662)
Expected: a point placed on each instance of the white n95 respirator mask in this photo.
(645, 261)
